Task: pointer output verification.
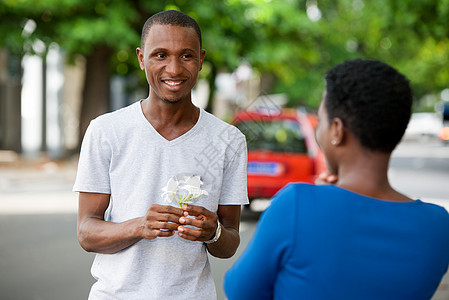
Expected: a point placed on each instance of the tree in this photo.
(411, 35)
(102, 31)
(294, 41)
(94, 29)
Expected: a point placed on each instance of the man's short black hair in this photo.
(170, 17)
(373, 100)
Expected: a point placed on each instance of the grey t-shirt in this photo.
(124, 156)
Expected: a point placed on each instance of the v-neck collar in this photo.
(163, 139)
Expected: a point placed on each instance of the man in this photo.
(134, 159)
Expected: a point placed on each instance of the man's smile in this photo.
(173, 83)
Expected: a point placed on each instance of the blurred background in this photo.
(64, 62)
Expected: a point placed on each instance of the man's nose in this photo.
(173, 67)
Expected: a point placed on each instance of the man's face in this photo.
(171, 58)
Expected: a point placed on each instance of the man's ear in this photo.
(337, 131)
(202, 56)
(140, 57)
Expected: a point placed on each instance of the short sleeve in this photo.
(94, 162)
(234, 189)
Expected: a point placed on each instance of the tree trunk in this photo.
(211, 78)
(96, 86)
(10, 101)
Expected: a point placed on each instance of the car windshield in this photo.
(276, 135)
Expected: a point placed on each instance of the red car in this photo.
(281, 149)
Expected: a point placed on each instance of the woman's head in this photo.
(373, 101)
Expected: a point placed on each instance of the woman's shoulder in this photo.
(298, 192)
(307, 196)
(434, 212)
(304, 189)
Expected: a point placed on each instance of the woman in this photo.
(358, 238)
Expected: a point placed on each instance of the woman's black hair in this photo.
(373, 100)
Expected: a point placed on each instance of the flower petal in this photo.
(194, 181)
(172, 185)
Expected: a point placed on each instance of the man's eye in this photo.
(187, 56)
(160, 55)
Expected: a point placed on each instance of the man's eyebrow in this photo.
(158, 50)
(165, 50)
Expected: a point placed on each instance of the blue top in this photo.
(325, 242)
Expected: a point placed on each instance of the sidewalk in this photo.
(41, 187)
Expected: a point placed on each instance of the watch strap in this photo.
(216, 235)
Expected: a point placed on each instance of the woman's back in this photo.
(326, 242)
(335, 244)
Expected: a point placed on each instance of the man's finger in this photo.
(194, 210)
(197, 222)
(166, 209)
(190, 233)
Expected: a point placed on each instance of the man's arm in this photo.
(97, 235)
(229, 241)
(206, 222)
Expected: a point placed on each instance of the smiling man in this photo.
(135, 159)
(171, 57)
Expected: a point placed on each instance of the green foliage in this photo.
(276, 37)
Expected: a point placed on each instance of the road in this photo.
(41, 259)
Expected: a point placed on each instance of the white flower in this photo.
(183, 191)
(192, 185)
(169, 191)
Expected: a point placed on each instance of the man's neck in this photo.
(171, 120)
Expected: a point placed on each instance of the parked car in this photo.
(281, 149)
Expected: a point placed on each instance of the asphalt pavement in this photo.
(38, 209)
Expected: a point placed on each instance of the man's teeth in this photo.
(173, 83)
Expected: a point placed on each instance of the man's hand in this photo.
(160, 221)
(204, 224)
(204, 220)
(326, 178)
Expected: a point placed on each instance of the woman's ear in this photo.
(337, 131)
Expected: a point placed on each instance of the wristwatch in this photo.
(216, 235)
